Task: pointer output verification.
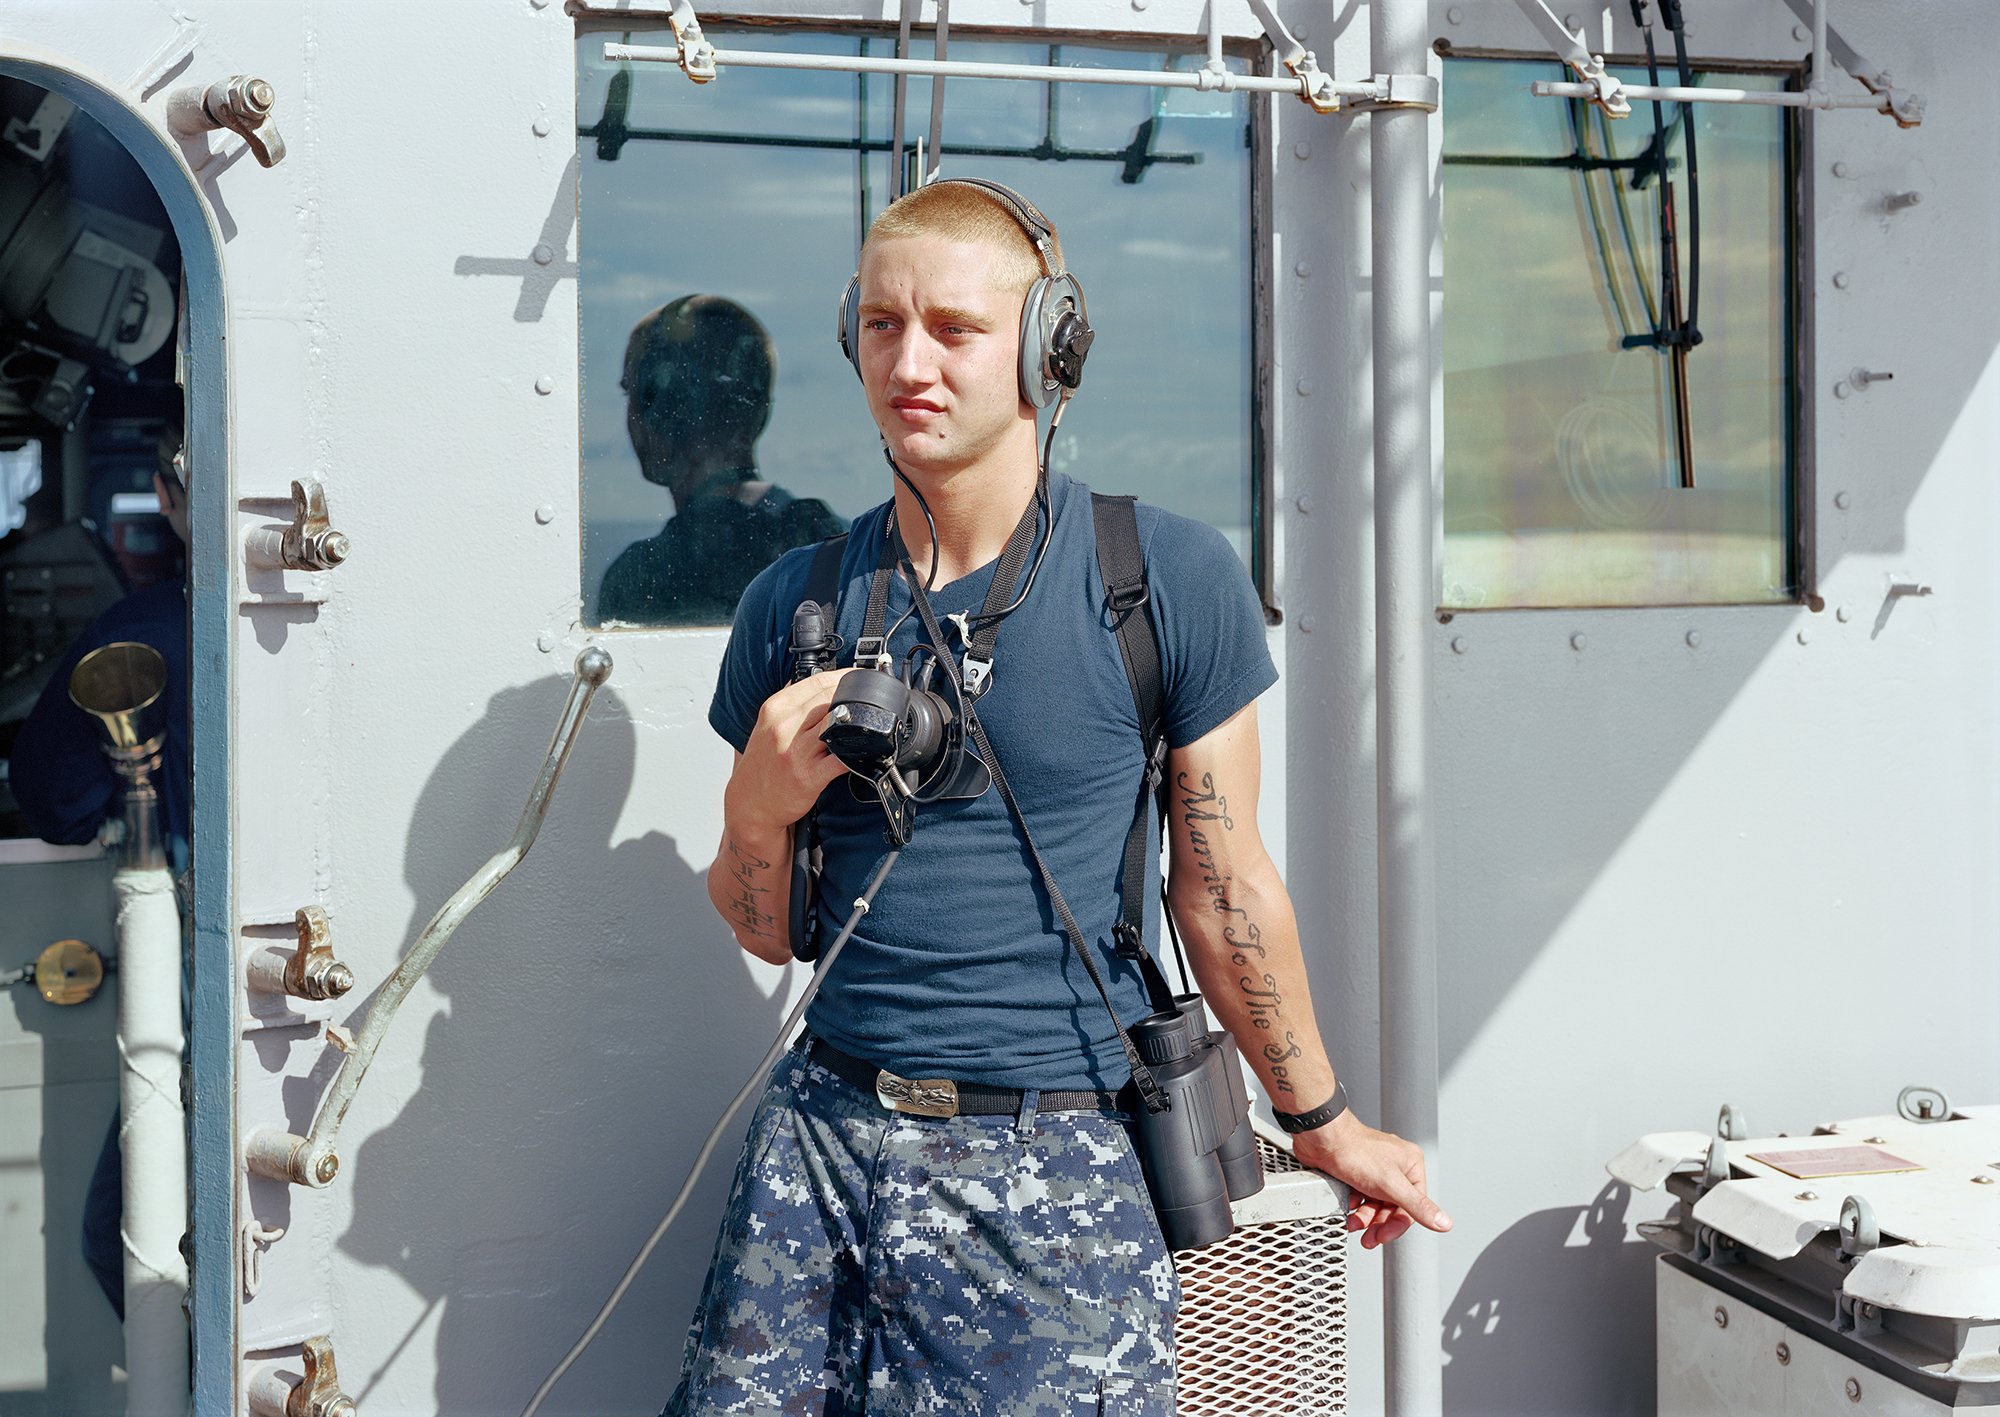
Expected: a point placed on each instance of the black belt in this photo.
(941, 1097)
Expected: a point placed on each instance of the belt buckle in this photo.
(922, 1097)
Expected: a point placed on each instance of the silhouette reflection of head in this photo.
(697, 378)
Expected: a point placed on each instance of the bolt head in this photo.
(1982, 1180)
(260, 94)
(1875, 1141)
(326, 1168)
(1784, 1353)
(544, 254)
(839, 713)
(339, 979)
(1854, 1390)
(1808, 1195)
(1721, 1317)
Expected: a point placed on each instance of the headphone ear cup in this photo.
(847, 327)
(1037, 389)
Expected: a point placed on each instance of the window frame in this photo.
(1262, 560)
(1801, 541)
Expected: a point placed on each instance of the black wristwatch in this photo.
(1296, 1122)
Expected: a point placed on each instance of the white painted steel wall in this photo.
(1759, 871)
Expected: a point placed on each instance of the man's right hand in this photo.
(784, 767)
(778, 776)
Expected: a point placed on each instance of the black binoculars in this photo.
(1200, 1153)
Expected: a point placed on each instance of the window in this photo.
(1563, 470)
(748, 433)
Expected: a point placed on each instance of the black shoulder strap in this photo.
(1122, 565)
(823, 579)
(823, 588)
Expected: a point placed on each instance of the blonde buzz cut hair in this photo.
(958, 212)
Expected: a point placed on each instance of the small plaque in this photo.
(1825, 1161)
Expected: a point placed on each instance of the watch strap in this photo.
(1295, 1122)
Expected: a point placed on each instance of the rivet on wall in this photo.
(545, 385)
(545, 514)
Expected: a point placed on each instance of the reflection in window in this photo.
(1563, 476)
(719, 224)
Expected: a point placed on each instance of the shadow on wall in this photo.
(1510, 1335)
(598, 1016)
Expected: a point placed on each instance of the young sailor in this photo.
(1004, 1259)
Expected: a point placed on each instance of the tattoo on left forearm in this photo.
(1201, 806)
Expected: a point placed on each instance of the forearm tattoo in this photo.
(1203, 810)
(747, 898)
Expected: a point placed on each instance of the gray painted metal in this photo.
(1405, 597)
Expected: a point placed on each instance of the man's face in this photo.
(939, 347)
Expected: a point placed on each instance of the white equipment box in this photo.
(1855, 1269)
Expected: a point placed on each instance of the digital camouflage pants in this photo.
(875, 1262)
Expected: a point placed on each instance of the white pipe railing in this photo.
(152, 1140)
(1675, 93)
(1203, 78)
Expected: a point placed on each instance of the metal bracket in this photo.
(319, 1395)
(240, 105)
(1418, 91)
(1858, 1232)
(697, 55)
(1606, 92)
(313, 972)
(309, 544)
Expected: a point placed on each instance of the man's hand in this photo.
(784, 767)
(1384, 1175)
(777, 778)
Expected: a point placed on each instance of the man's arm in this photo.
(777, 778)
(1243, 944)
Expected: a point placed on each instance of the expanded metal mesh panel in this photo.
(1263, 1321)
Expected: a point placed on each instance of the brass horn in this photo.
(120, 685)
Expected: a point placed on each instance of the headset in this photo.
(1055, 324)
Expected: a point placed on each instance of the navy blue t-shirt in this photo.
(961, 969)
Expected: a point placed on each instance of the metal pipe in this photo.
(1405, 601)
(315, 1162)
(968, 69)
(152, 1138)
(1674, 93)
(1822, 69)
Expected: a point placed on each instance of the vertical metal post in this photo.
(1822, 66)
(1405, 600)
